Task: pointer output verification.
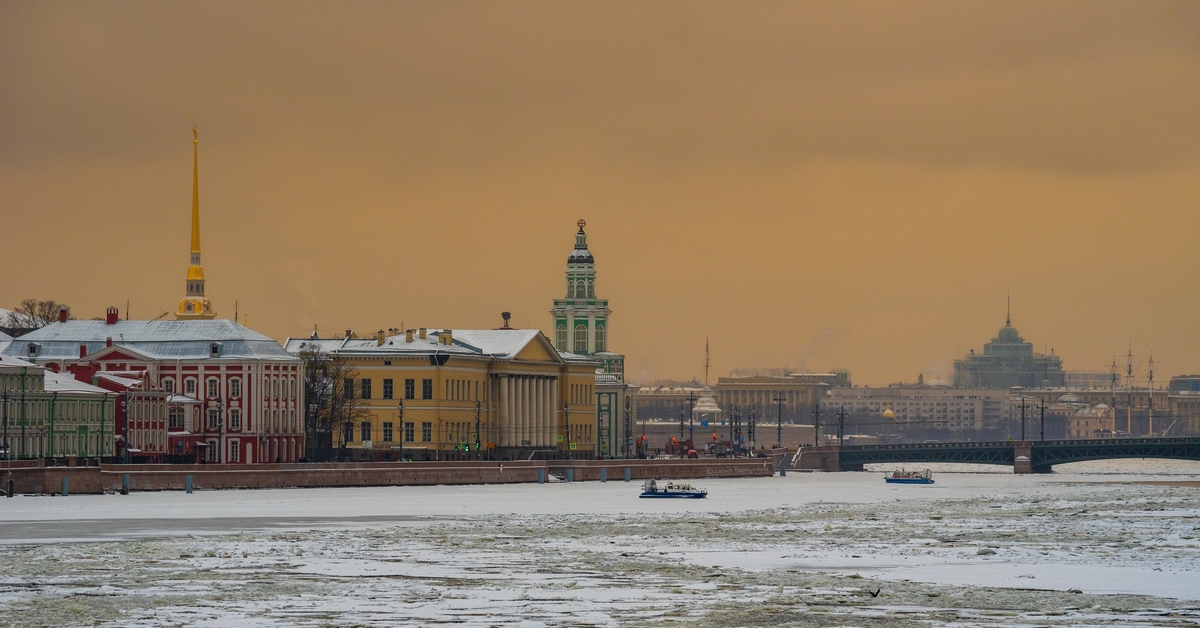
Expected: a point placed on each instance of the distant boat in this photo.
(650, 488)
(909, 477)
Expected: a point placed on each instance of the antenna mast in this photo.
(1129, 391)
(1151, 402)
(1112, 389)
(706, 361)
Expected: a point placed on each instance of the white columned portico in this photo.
(542, 388)
(505, 415)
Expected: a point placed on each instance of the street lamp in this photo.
(8, 492)
(779, 417)
(691, 419)
(478, 409)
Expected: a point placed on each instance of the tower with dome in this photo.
(581, 318)
(1007, 361)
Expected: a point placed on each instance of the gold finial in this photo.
(195, 133)
(582, 223)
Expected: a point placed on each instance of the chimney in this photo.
(379, 336)
(110, 317)
(421, 333)
(408, 335)
(63, 313)
(108, 341)
(348, 332)
(82, 351)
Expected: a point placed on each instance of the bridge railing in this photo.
(1036, 443)
(902, 446)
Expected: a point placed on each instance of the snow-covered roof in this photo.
(501, 343)
(123, 382)
(62, 382)
(497, 343)
(163, 340)
(184, 399)
(9, 361)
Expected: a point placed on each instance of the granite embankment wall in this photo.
(35, 477)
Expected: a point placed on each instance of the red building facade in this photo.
(209, 390)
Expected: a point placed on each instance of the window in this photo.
(410, 389)
(169, 385)
(591, 294)
(235, 419)
(348, 387)
(387, 431)
(233, 451)
(387, 389)
(210, 452)
(189, 387)
(580, 339)
(560, 337)
(347, 432)
(175, 418)
(364, 431)
(408, 431)
(214, 419)
(426, 432)
(427, 389)
(365, 384)
(570, 289)
(235, 388)
(599, 338)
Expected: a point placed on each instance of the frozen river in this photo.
(1090, 545)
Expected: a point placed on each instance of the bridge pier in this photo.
(824, 458)
(1023, 459)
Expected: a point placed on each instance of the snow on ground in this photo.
(1088, 545)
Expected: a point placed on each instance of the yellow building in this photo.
(465, 395)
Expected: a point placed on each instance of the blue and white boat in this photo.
(650, 488)
(909, 477)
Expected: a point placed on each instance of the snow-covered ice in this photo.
(1088, 545)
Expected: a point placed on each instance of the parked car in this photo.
(692, 453)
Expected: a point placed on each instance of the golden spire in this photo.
(195, 190)
(195, 306)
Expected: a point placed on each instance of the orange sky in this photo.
(847, 184)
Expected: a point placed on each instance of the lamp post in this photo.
(841, 423)
(1022, 417)
(691, 418)
(478, 409)
(751, 428)
(400, 424)
(1043, 418)
(816, 424)
(779, 423)
(566, 429)
(681, 421)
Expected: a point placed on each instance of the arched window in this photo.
(570, 289)
(560, 337)
(581, 339)
(591, 293)
(579, 289)
(599, 338)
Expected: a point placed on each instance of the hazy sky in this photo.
(813, 184)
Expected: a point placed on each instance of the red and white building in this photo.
(212, 389)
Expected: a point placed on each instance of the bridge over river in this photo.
(1024, 456)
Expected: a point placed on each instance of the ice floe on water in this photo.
(1090, 545)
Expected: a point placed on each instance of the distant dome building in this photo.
(1009, 361)
(706, 409)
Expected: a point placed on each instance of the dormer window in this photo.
(214, 350)
(33, 349)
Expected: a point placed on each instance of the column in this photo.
(535, 435)
(525, 409)
(505, 416)
(543, 406)
(553, 413)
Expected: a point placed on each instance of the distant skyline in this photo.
(816, 185)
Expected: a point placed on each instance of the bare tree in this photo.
(34, 314)
(346, 408)
(317, 393)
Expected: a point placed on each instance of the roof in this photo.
(60, 382)
(14, 362)
(163, 340)
(496, 343)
